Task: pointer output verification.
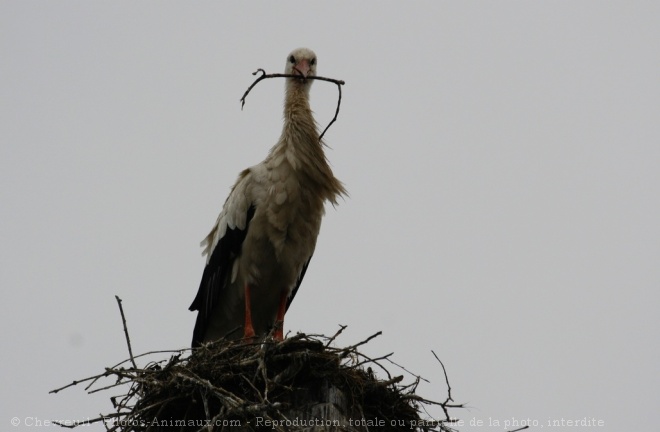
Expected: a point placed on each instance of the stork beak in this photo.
(302, 67)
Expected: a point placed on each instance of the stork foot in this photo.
(248, 329)
(278, 333)
(248, 333)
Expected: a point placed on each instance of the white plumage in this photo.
(259, 248)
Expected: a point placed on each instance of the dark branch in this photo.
(74, 383)
(449, 398)
(336, 113)
(374, 360)
(446, 403)
(264, 75)
(410, 372)
(346, 351)
(128, 339)
(395, 380)
(86, 422)
(341, 329)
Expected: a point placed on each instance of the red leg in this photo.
(248, 330)
(278, 334)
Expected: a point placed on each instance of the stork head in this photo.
(301, 61)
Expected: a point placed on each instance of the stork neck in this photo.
(301, 146)
(298, 117)
(297, 93)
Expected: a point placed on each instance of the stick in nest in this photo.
(446, 403)
(128, 339)
(240, 381)
(230, 380)
(264, 75)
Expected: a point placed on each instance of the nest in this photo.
(300, 384)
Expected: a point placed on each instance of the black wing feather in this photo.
(215, 276)
(300, 278)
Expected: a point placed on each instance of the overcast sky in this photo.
(502, 160)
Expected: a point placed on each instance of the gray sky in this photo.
(502, 160)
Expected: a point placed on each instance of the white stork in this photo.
(260, 246)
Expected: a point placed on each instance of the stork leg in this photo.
(278, 334)
(248, 330)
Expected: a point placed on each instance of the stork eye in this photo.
(313, 61)
(292, 59)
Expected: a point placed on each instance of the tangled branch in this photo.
(233, 381)
(224, 382)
